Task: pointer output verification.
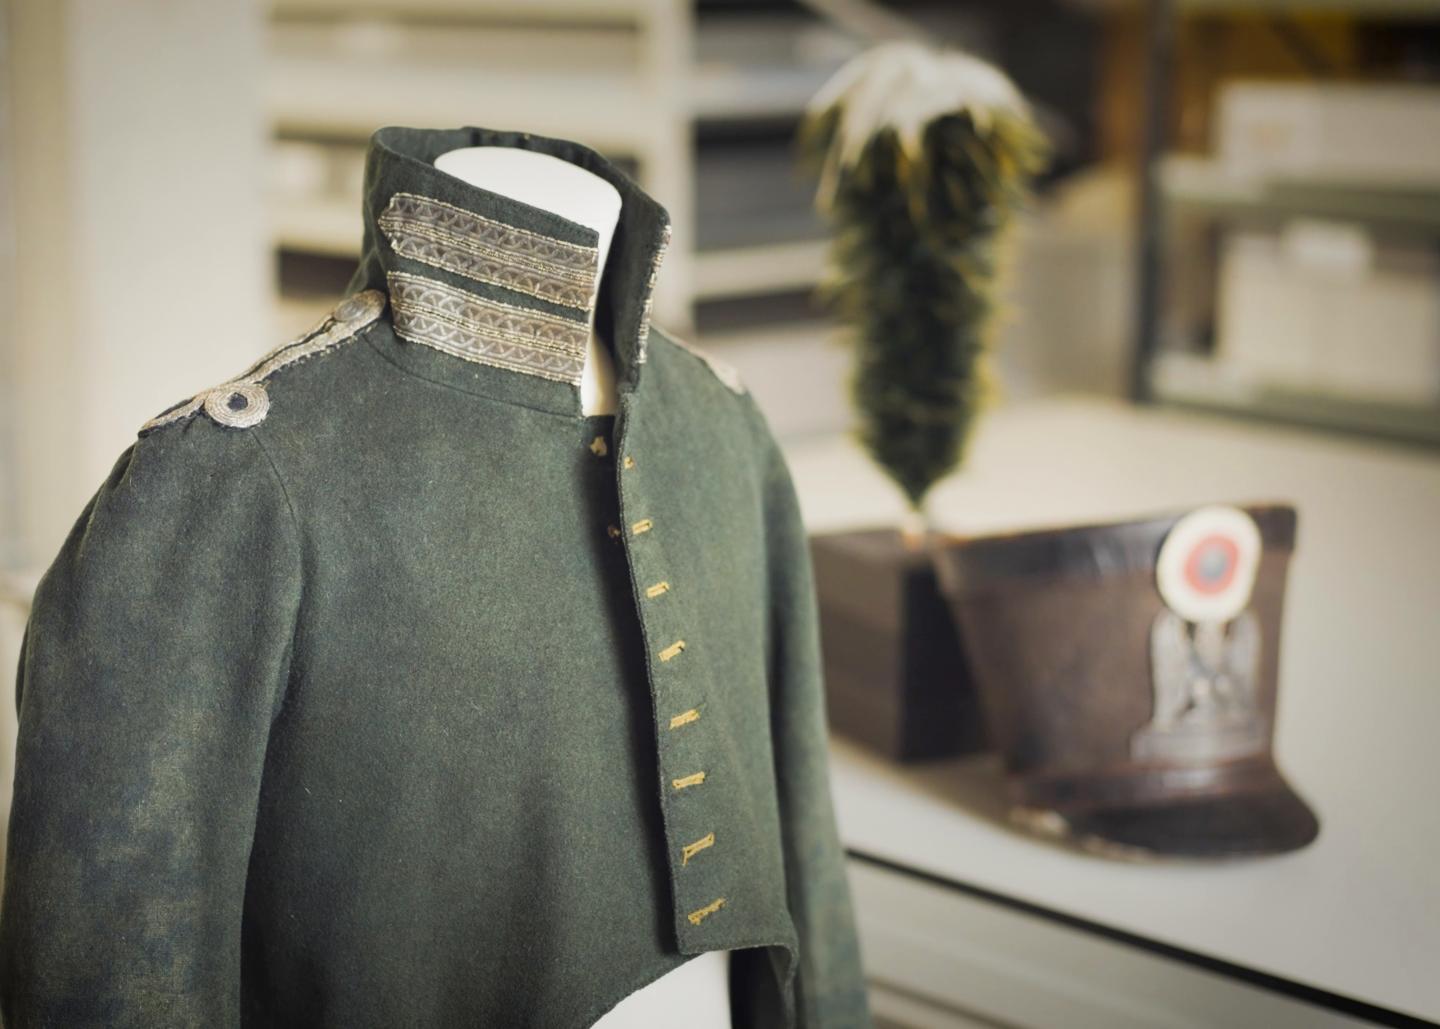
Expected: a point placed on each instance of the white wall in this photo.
(9, 502)
(135, 145)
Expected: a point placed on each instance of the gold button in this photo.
(643, 525)
(629, 461)
(613, 530)
(598, 447)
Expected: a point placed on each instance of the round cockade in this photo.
(1208, 564)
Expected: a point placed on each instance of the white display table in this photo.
(1344, 932)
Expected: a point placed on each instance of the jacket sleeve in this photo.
(829, 981)
(153, 664)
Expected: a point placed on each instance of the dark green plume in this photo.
(913, 271)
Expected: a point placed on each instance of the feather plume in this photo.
(922, 157)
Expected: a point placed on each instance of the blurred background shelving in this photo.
(1166, 257)
(1289, 265)
(1226, 288)
(698, 101)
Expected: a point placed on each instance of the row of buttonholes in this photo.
(644, 525)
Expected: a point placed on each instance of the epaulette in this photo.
(243, 401)
(725, 372)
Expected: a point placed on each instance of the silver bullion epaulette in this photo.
(243, 401)
(725, 372)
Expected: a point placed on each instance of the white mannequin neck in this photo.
(573, 193)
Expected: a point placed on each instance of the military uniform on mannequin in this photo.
(425, 674)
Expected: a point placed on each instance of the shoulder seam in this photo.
(299, 558)
(279, 481)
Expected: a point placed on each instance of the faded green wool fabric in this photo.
(370, 713)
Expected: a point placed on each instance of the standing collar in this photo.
(488, 279)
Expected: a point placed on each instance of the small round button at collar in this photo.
(359, 307)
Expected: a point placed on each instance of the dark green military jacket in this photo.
(381, 686)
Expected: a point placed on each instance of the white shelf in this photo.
(1195, 381)
(320, 95)
(327, 227)
(763, 66)
(597, 11)
(608, 111)
(734, 92)
(1205, 184)
(770, 268)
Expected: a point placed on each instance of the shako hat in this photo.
(1128, 673)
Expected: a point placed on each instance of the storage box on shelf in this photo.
(1321, 307)
(896, 678)
(1361, 133)
(1319, 211)
(1356, 146)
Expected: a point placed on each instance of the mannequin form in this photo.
(697, 993)
(571, 192)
